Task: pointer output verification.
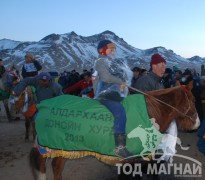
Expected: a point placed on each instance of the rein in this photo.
(148, 95)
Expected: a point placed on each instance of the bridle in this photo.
(162, 102)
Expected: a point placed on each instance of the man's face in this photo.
(159, 69)
(178, 75)
(44, 83)
(87, 78)
(136, 74)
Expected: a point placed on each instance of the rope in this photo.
(137, 90)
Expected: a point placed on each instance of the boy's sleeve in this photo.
(104, 73)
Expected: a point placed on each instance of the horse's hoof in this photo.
(17, 118)
(26, 137)
(11, 120)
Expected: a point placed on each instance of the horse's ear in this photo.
(189, 86)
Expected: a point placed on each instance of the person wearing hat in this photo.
(113, 75)
(153, 81)
(167, 78)
(136, 76)
(194, 81)
(143, 72)
(2, 68)
(84, 86)
(30, 67)
(45, 87)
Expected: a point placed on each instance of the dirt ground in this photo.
(14, 151)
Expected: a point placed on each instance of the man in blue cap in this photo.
(45, 87)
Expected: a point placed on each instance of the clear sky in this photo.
(178, 25)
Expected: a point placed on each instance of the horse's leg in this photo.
(27, 125)
(33, 127)
(58, 165)
(6, 106)
(38, 164)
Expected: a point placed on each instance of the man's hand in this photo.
(123, 86)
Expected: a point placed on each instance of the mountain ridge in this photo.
(72, 51)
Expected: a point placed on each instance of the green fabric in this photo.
(3, 95)
(33, 90)
(72, 123)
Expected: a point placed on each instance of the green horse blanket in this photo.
(74, 124)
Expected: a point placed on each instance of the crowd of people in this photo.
(107, 82)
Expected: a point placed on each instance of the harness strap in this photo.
(184, 88)
(161, 101)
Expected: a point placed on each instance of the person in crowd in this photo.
(143, 72)
(12, 80)
(64, 79)
(84, 86)
(202, 82)
(196, 91)
(167, 78)
(202, 70)
(30, 67)
(111, 89)
(45, 87)
(136, 76)
(177, 77)
(153, 81)
(2, 68)
(4, 90)
(14, 71)
(188, 77)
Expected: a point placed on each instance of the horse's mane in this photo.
(163, 91)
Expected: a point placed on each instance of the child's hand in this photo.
(123, 86)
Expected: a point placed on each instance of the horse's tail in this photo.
(33, 160)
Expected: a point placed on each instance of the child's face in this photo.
(28, 59)
(111, 49)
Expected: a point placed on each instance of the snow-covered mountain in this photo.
(71, 51)
(8, 44)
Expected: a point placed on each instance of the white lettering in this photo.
(178, 168)
(127, 168)
(162, 169)
(187, 169)
(118, 168)
(152, 169)
(137, 170)
(197, 168)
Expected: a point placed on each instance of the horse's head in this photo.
(175, 103)
(188, 118)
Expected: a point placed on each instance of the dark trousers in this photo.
(119, 114)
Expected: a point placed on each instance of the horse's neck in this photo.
(162, 115)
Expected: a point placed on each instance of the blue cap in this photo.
(44, 76)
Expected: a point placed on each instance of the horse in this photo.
(163, 106)
(25, 104)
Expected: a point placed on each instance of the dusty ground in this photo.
(14, 152)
